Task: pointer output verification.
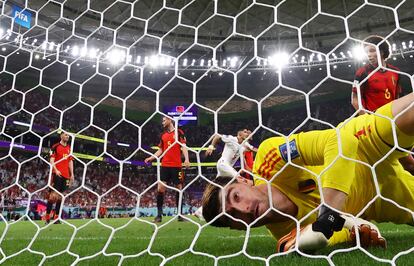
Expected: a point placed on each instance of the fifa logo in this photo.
(21, 16)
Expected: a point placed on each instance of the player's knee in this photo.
(404, 109)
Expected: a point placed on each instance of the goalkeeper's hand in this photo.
(311, 240)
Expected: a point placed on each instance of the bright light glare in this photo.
(233, 61)
(359, 53)
(154, 61)
(92, 53)
(279, 60)
(75, 50)
(115, 56)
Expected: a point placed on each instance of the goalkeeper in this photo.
(347, 186)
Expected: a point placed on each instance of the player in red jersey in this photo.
(381, 87)
(171, 164)
(62, 174)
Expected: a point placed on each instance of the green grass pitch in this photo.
(172, 238)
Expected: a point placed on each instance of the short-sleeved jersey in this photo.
(232, 149)
(62, 157)
(172, 157)
(380, 88)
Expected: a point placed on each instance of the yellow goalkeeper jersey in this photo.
(295, 170)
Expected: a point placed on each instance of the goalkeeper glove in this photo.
(311, 240)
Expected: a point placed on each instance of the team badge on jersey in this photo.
(294, 153)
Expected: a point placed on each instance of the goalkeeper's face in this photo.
(247, 203)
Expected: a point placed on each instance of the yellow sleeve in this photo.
(343, 236)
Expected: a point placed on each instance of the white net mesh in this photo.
(107, 71)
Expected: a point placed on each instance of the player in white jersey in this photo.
(233, 147)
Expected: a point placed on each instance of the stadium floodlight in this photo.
(343, 55)
(192, 73)
(349, 54)
(220, 73)
(166, 72)
(279, 60)
(202, 62)
(359, 52)
(3, 49)
(302, 60)
(92, 53)
(404, 45)
(233, 61)
(224, 63)
(154, 61)
(209, 63)
(51, 46)
(83, 51)
(115, 56)
(75, 50)
(320, 59)
(258, 61)
(161, 61)
(185, 62)
(37, 56)
(249, 73)
(138, 59)
(410, 44)
(394, 47)
(193, 62)
(146, 60)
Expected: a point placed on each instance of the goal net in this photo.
(107, 72)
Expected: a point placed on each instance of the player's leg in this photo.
(164, 172)
(61, 186)
(226, 170)
(52, 198)
(404, 108)
(179, 173)
(400, 189)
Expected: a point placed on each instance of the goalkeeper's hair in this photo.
(212, 202)
(384, 47)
